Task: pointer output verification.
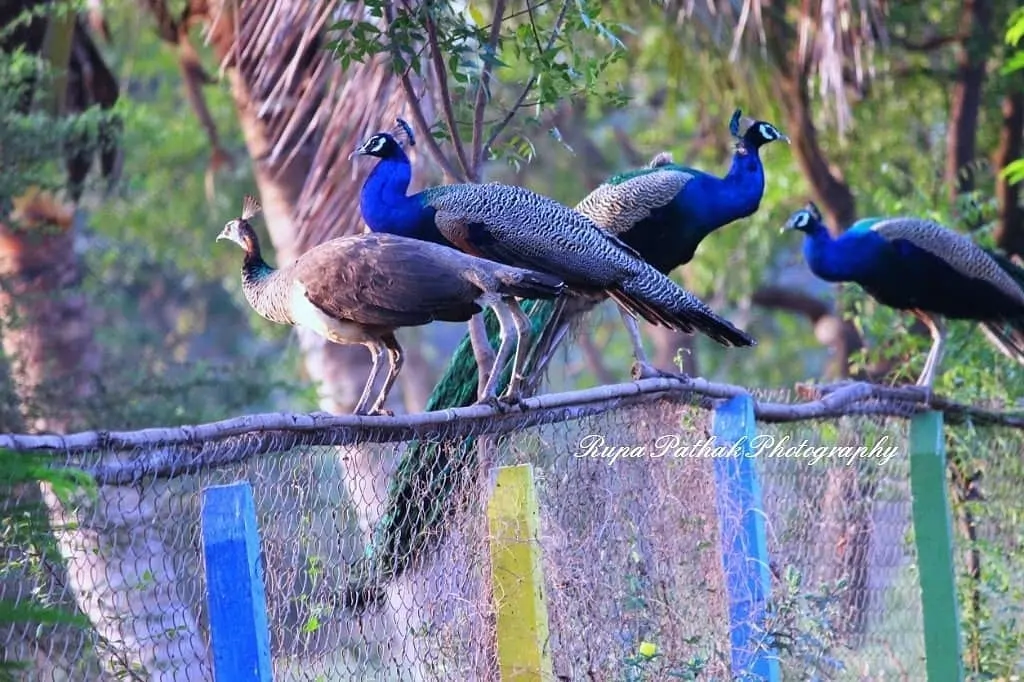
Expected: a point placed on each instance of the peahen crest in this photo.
(250, 207)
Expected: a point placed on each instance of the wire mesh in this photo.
(631, 548)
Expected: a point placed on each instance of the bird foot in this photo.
(511, 399)
(642, 370)
(375, 412)
(494, 402)
(927, 393)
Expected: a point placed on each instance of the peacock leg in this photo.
(483, 353)
(642, 369)
(521, 324)
(542, 351)
(395, 362)
(506, 325)
(377, 353)
(931, 363)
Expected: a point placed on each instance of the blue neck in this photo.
(833, 260)
(387, 208)
(720, 201)
(745, 182)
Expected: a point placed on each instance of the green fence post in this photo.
(517, 578)
(933, 536)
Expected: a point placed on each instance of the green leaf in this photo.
(476, 15)
(1014, 172)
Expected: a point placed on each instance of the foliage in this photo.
(1014, 34)
(531, 61)
(27, 549)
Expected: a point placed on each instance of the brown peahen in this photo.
(360, 289)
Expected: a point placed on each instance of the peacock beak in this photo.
(785, 138)
(361, 151)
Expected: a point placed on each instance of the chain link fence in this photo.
(377, 557)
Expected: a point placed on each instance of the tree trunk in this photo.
(1010, 228)
(961, 149)
(119, 571)
(309, 192)
(828, 187)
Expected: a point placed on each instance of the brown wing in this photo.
(387, 281)
(959, 251)
(618, 207)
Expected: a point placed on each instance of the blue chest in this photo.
(386, 207)
(669, 237)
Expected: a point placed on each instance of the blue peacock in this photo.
(517, 227)
(664, 211)
(421, 489)
(920, 266)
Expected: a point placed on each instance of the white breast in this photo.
(309, 316)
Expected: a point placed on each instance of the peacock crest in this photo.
(812, 208)
(403, 132)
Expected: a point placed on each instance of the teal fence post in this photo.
(239, 635)
(933, 536)
(744, 543)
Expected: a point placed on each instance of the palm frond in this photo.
(315, 114)
(831, 43)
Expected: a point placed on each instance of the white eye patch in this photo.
(768, 132)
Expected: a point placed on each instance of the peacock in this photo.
(510, 224)
(920, 266)
(664, 211)
(422, 487)
(360, 289)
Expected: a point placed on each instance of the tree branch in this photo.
(929, 44)
(129, 456)
(529, 85)
(417, 111)
(441, 73)
(480, 106)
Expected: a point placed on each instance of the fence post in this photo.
(239, 636)
(934, 539)
(517, 578)
(744, 542)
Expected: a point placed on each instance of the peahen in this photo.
(920, 266)
(664, 211)
(512, 225)
(360, 289)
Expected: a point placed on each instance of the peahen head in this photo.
(754, 134)
(240, 230)
(807, 219)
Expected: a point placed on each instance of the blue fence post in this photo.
(239, 633)
(744, 542)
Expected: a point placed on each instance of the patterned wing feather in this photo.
(518, 227)
(959, 251)
(386, 281)
(618, 207)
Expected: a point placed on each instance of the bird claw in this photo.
(494, 402)
(927, 393)
(375, 412)
(511, 400)
(642, 370)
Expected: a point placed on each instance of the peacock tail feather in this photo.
(424, 488)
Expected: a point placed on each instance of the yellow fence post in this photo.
(517, 578)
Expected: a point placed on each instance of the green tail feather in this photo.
(424, 486)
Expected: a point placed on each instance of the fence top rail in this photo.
(166, 451)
